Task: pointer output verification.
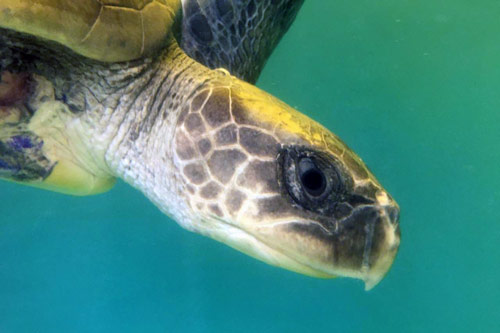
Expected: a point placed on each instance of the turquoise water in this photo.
(412, 87)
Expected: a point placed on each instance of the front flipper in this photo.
(37, 144)
(238, 35)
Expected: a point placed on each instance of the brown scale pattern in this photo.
(229, 158)
(222, 152)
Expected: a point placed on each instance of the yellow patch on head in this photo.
(268, 110)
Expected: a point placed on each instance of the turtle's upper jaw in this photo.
(379, 254)
(362, 245)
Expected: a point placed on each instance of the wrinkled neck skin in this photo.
(111, 120)
(140, 130)
(133, 128)
(108, 119)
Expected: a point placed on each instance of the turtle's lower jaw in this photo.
(361, 246)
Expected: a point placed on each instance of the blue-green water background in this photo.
(412, 86)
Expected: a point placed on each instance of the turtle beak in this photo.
(382, 243)
(362, 246)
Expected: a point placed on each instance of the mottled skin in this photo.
(218, 155)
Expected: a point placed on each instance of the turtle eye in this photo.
(312, 179)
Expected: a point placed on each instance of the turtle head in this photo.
(272, 183)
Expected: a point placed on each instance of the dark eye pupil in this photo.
(312, 179)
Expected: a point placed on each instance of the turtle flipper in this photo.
(37, 147)
(238, 35)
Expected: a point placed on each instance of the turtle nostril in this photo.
(393, 213)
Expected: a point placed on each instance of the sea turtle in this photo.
(94, 90)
